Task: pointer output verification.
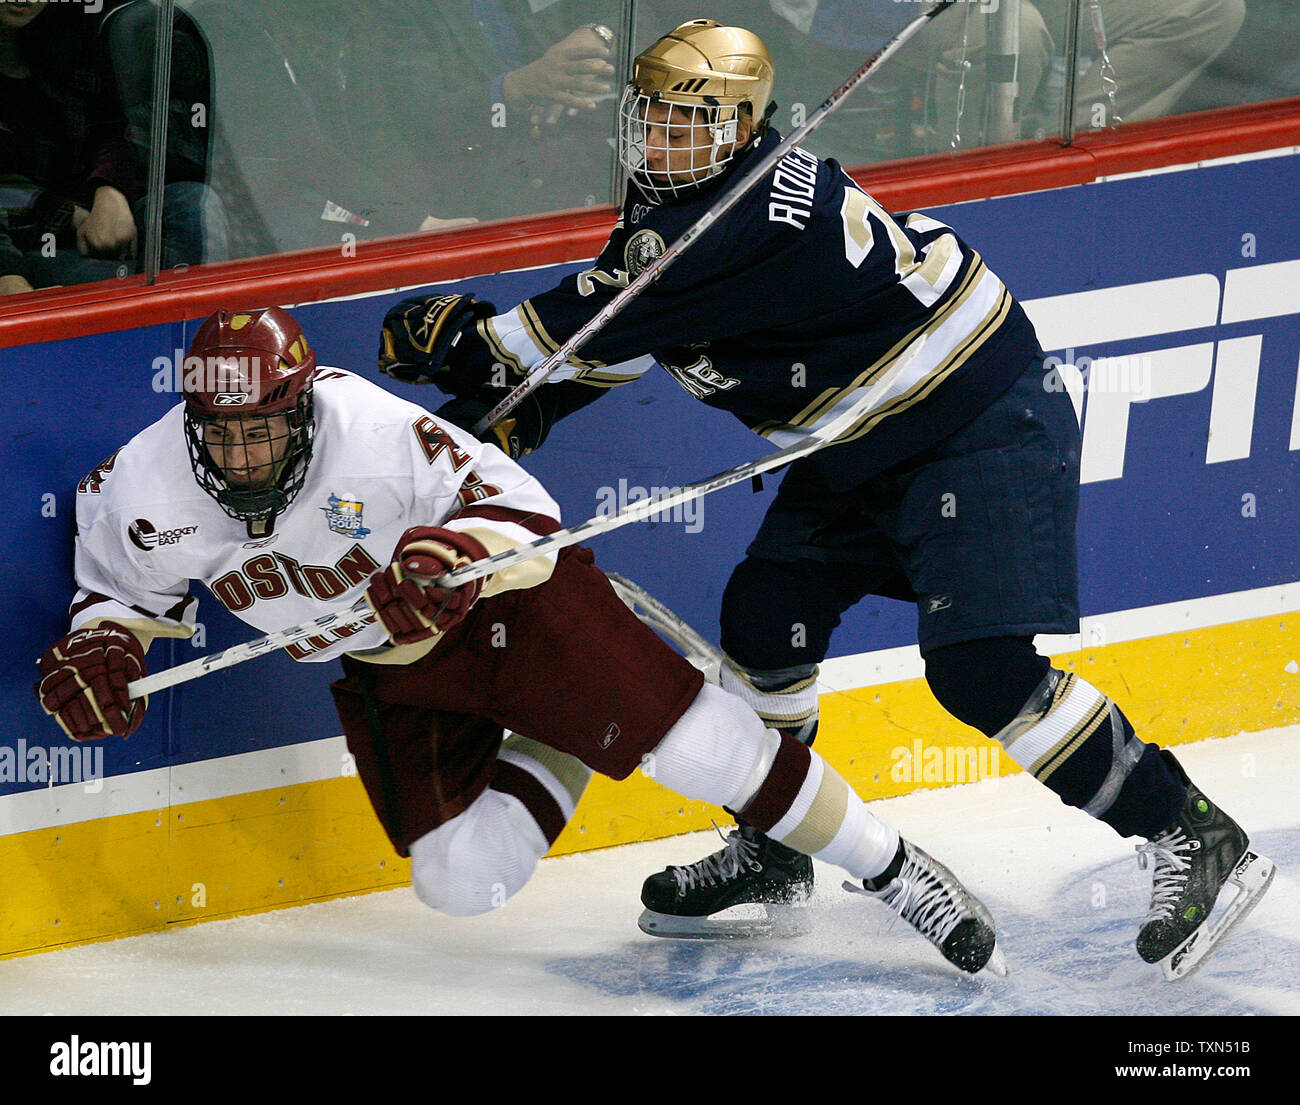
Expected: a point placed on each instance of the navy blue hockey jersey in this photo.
(805, 293)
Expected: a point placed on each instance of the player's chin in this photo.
(250, 481)
(676, 181)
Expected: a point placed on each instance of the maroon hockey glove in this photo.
(410, 609)
(84, 678)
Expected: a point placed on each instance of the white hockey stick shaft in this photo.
(872, 397)
(356, 614)
(725, 203)
(657, 616)
(360, 612)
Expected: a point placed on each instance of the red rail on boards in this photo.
(912, 184)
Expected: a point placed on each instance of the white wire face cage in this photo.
(669, 148)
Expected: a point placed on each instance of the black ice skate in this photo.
(933, 901)
(1194, 860)
(752, 870)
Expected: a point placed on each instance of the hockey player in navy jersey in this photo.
(808, 272)
(289, 488)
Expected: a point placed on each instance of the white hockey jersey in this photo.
(379, 465)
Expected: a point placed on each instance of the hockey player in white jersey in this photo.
(288, 489)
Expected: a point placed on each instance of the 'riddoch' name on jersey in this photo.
(805, 293)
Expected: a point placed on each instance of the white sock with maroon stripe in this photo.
(481, 857)
(720, 752)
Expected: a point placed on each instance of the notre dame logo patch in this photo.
(641, 251)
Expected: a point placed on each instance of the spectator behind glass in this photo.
(501, 106)
(931, 97)
(68, 177)
(1262, 63)
(340, 120)
(1138, 57)
(303, 153)
(194, 225)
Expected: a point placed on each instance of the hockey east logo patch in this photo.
(145, 535)
(344, 516)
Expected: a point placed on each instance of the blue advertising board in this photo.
(1174, 298)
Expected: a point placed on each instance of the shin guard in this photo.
(1075, 741)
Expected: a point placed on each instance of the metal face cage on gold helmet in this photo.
(248, 411)
(682, 115)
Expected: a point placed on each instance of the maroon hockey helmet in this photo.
(247, 380)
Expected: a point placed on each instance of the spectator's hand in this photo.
(14, 285)
(108, 229)
(567, 76)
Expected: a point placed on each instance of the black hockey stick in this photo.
(725, 203)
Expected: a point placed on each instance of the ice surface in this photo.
(1067, 895)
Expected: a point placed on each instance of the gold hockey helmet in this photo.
(716, 78)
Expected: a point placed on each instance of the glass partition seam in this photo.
(162, 68)
(1071, 73)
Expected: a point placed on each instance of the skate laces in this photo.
(1170, 871)
(722, 866)
(920, 896)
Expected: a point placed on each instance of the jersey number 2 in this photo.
(926, 275)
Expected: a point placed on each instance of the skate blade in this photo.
(780, 921)
(997, 964)
(1252, 877)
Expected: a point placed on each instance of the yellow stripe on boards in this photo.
(141, 872)
(222, 857)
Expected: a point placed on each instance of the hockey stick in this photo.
(725, 203)
(359, 612)
(872, 396)
(703, 654)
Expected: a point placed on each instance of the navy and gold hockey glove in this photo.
(418, 334)
(527, 425)
(513, 435)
